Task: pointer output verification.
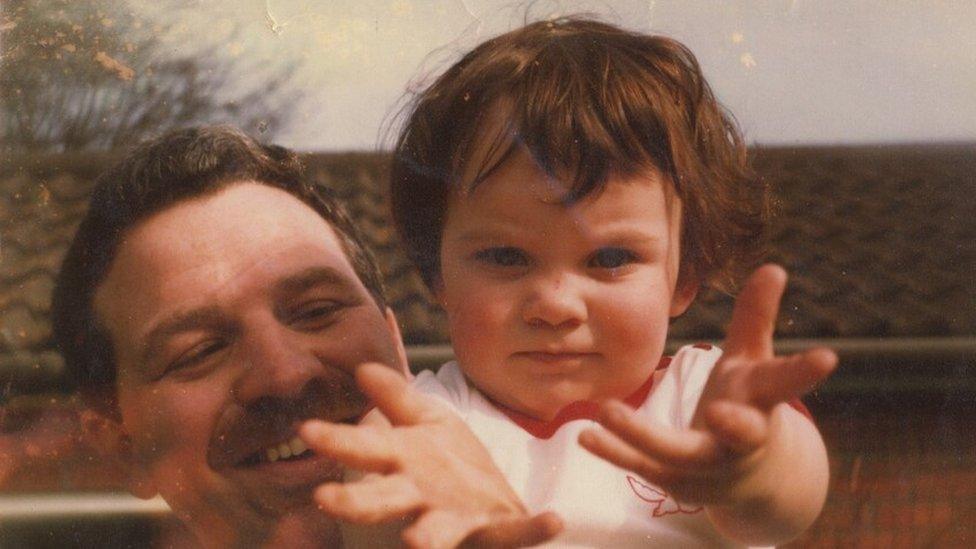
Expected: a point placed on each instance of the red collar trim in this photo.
(581, 409)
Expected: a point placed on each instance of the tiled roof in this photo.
(42, 199)
(880, 243)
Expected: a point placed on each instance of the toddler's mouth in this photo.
(558, 356)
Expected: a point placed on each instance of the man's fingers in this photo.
(750, 333)
(790, 377)
(392, 394)
(683, 449)
(370, 500)
(517, 532)
(362, 447)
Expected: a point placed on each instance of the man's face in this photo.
(550, 304)
(234, 317)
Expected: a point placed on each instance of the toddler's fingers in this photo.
(609, 447)
(393, 395)
(688, 485)
(750, 332)
(740, 427)
(790, 377)
(362, 447)
(688, 448)
(371, 500)
(441, 529)
(517, 532)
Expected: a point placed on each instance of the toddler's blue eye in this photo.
(503, 256)
(612, 258)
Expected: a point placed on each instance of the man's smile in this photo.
(287, 450)
(253, 441)
(295, 474)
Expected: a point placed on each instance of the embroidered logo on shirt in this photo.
(664, 504)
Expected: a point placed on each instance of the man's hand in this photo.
(423, 464)
(758, 465)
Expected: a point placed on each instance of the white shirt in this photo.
(601, 505)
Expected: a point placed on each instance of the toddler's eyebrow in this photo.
(627, 236)
(615, 237)
(482, 234)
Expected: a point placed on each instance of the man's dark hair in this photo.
(588, 101)
(175, 167)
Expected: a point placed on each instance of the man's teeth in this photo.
(292, 448)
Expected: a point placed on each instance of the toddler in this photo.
(565, 190)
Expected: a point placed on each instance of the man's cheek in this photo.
(161, 441)
(368, 343)
(160, 428)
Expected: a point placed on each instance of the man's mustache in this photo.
(271, 419)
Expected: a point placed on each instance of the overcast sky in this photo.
(792, 71)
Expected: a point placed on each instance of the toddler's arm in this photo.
(758, 465)
(423, 464)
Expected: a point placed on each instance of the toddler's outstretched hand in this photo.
(756, 463)
(424, 467)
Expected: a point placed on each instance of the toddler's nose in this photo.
(554, 301)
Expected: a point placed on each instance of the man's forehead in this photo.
(244, 217)
(246, 238)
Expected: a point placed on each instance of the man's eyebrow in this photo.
(178, 322)
(310, 278)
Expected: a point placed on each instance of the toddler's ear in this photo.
(684, 294)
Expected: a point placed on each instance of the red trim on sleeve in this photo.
(799, 406)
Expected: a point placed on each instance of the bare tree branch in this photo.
(83, 75)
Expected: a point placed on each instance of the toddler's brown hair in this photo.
(588, 101)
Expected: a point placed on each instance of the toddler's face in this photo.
(549, 304)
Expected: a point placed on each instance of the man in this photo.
(211, 302)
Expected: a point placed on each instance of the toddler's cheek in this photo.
(478, 325)
(637, 328)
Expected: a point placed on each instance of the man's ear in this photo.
(106, 435)
(684, 294)
(391, 323)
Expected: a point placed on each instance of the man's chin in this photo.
(305, 527)
(269, 520)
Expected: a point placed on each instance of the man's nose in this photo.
(555, 299)
(274, 364)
